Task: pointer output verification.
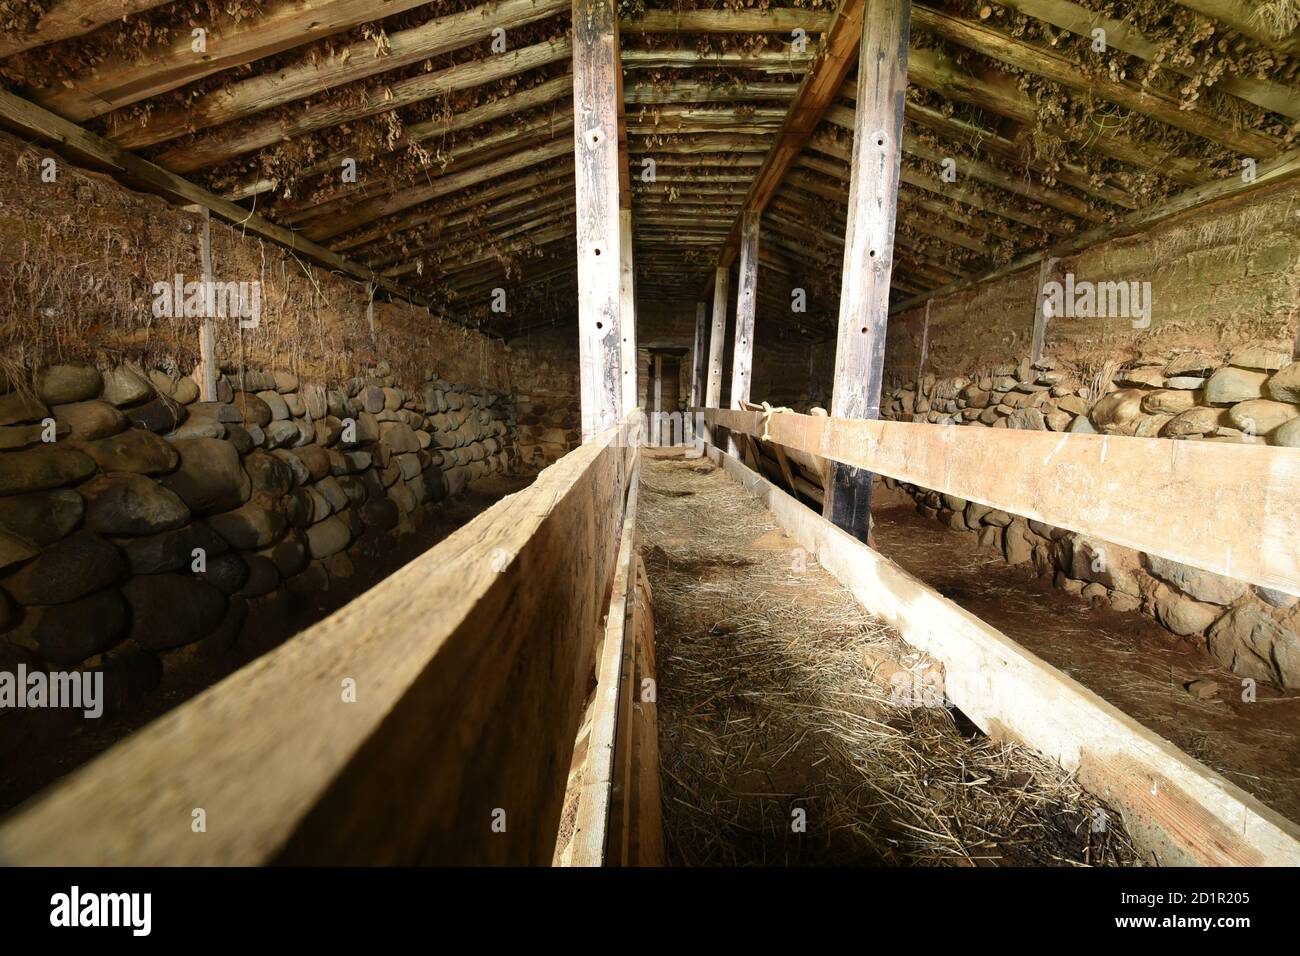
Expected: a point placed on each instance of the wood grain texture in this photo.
(1226, 508)
(596, 173)
(868, 246)
(1174, 807)
(591, 829)
(471, 665)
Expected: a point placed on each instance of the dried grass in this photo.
(773, 698)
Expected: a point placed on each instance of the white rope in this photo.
(768, 412)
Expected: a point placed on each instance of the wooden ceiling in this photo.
(462, 143)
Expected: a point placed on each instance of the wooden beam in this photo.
(223, 145)
(1243, 16)
(232, 42)
(1127, 38)
(627, 310)
(591, 833)
(868, 247)
(835, 57)
(596, 165)
(699, 366)
(470, 666)
(207, 334)
(82, 144)
(63, 19)
(1174, 807)
(717, 335)
(742, 352)
(1045, 62)
(773, 20)
(313, 74)
(1148, 494)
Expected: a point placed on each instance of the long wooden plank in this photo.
(1226, 508)
(1173, 806)
(231, 41)
(717, 339)
(83, 144)
(868, 247)
(591, 827)
(835, 58)
(312, 75)
(470, 668)
(596, 173)
(773, 20)
(226, 143)
(72, 18)
(699, 366)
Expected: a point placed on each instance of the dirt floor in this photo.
(1125, 657)
(795, 729)
(46, 755)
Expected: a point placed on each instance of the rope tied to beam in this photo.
(768, 412)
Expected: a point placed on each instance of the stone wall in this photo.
(1216, 364)
(544, 370)
(137, 524)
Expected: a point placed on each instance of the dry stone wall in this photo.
(137, 524)
(1249, 395)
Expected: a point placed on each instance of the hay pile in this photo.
(775, 696)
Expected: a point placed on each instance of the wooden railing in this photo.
(1232, 509)
(431, 720)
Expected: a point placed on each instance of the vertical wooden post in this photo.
(713, 385)
(659, 397)
(207, 337)
(370, 308)
(868, 246)
(627, 310)
(1041, 316)
(595, 135)
(742, 352)
(699, 361)
(925, 348)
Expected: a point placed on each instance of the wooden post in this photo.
(370, 308)
(698, 360)
(627, 310)
(925, 348)
(713, 386)
(742, 353)
(207, 337)
(1040, 309)
(596, 172)
(868, 246)
(658, 397)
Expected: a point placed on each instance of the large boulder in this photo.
(70, 633)
(135, 450)
(1085, 559)
(268, 473)
(1288, 435)
(86, 421)
(80, 564)
(249, 527)
(172, 550)
(1194, 422)
(124, 386)
(43, 517)
(1230, 385)
(1168, 401)
(60, 384)
(210, 478)
(19, 408)
(328, 537)
(131, 504)
(1254, 645)
(14, 550)
(161, 415)
(1259, 416)
(172, 610)
(1284, 386)
(42, 468)
(252, 409)
(1201, 585)
(1116, 410)
(1182, 615)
